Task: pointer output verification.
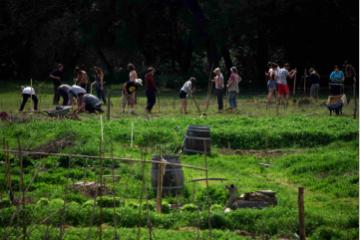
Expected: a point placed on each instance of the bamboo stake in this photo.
(301, 213)
(105, 158)
(207, 191)
(141, 197)
(160, 178)
(31, 95)
(354, 96)
(294, 87)
(209, 90)
(101, 153)
(116, 236)
(22, 190)
(132, 135)
(108, 105)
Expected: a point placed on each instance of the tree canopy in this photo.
(178, 37)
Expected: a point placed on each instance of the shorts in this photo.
(271, 84)
(182, 94)
(283, 89)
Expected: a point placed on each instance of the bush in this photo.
(190, 207)
(109, 201)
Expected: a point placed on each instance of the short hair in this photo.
(233, 69)
(192, 79)
(130, 67)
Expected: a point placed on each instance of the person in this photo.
(99, 83)
(28, 92)
(233, 87)
(57, 76)
(271, 81)
(91, 103)
(336, 81)
(129, 89)
(63, 91)
(314, 79)
(150, 89)
(281, 80)
(76, 92)
(219, 88)
(81, 77)
(187, 89)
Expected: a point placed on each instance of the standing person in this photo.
(233, 87)
(63, 91)
(314, 79)
(271, 81)
(187, 89)
(281, 80)
(82, 78)
(219, 88)
(57, 76)
(150, 87)
(99, 83)
(28, 92)
(336, 81)
(130, 87)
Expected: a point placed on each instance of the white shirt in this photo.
(187, 87)
(28, 90)
(76, 90)
(281, 76)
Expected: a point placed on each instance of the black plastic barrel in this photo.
(197, 140)
(173, 179)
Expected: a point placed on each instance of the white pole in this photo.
(132, 135)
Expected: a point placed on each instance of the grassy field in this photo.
(302, 144)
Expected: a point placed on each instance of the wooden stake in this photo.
(305, 75)
(108, 105)
(132, 135)
(101, 154)
(22, 190)
(301, 213)
(207, 191)
(160, 178)
(294, 87)
(355, 100)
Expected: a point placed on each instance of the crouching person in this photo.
(92, 103)
(63, 92)
(76, 93)
(28, 92)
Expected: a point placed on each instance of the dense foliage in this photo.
(178, 37)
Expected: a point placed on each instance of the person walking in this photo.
(314, 79)
(336, 81)
(187, 89)
(99, 83)
(57, 76)
(233, 87)
(150, 89)
(28, 92)
(219, 88)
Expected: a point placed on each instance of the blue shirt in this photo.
(336, 76)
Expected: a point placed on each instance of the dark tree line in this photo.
(178, 37)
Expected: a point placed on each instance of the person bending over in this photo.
(92, 103)
(187, 89)
(28, 92)
(63, 92)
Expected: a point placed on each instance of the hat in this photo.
(150, 69)
(139, 81)
(216, 69)
(233, 68)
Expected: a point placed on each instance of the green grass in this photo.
(317, 151)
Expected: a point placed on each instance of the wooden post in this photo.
(207, 190)
(132, 135)
(305, 75)
(108, 106)
(160, 178)
(294, 87)
(22, 190)
(301, 213)
(354, 96)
